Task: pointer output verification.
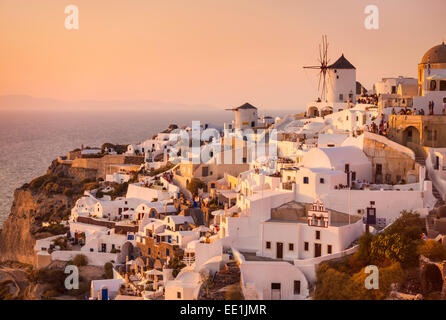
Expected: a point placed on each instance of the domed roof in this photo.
(436, 54)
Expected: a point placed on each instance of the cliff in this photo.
(48, 198)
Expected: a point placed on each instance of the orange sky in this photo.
(215, 52)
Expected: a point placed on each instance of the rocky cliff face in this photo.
(46, 199)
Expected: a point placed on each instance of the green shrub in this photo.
(433, 250)
(80, 260)
(68, 192)
(91, 186)
(194, 185)
(108, 270)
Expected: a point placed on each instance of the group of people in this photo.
(369, 99)
(419, 112)
(381, 129)
(408, 111)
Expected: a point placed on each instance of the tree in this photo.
(331, 284)
(194, 185)
(108, 269)
(433, 250)
(206, 281)
(80, 260)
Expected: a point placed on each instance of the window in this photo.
(442, 85)
(341, 97)
(296, 287)
(204, 171)
(353, 175)
(318, 235)
(379, 168)
(167, 252)
(432, 134)
(268, 244)
(178, 295)
(244, 160)
(322, 180)
(306, 180)
(393, 89)
(253, 124)
(291, 246)
(275, 286)
(337, 77)
(150, 251)
(329, 249)
(306, 246)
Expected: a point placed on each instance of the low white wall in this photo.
(148, 194)
(388, 204)
(94, 258)
(257, 276)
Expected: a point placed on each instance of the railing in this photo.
(189, 260)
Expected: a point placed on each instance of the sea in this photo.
(30, 140)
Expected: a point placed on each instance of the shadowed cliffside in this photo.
(48, 198)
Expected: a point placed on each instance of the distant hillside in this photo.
(13, 102)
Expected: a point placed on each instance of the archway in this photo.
(313, 112)
(431, 278)
(326, 111)
(127, 249)
(411, 135)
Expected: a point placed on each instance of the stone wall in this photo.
(119, 229)
(102, 165)
(158, 250)
(396, 165)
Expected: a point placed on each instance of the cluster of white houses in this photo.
(281, 214)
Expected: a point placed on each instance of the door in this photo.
(347, 171)
(317, 250)
(104, 247)
(275, 291)
(104, 294)
(279, 250)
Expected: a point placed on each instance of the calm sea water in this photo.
(30, 140)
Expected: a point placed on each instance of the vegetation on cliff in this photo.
(395, 252)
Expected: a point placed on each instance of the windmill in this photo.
(323, 67)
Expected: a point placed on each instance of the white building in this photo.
(245, 117)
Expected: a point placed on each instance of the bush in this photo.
(80, 260)
(91, 186)
(108, 269)
(68, 192)
(234, 293)
(119, 190)
(194, 185)
(176, 264)
(335, 285)
(433, 250)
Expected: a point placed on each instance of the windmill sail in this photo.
(323, 67)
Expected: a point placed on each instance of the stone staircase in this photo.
(440, 201)
(437, 195)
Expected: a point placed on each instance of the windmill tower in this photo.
(337, 81)
(341, 81)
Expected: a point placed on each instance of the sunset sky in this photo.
(220, 53)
